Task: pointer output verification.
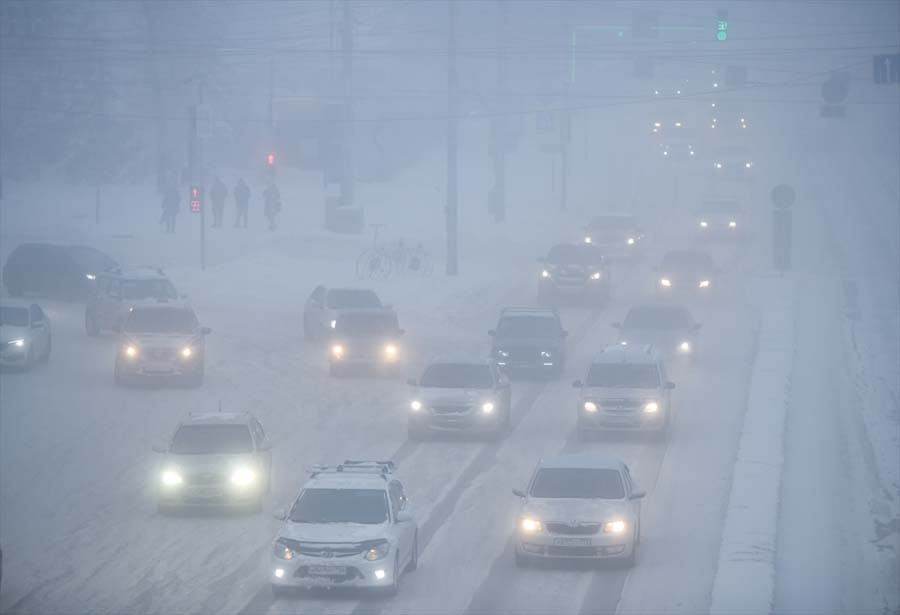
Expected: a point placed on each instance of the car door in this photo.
(264, 450)
(630, 488)
(111, 316)
(40, 329)
(313, 315)
(406, 530)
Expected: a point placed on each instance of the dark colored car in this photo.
(669, 328)
(686, 273)
(529, 339)
(573, 272)
(66, 272)
(366, 339)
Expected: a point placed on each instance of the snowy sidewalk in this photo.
(745, 578)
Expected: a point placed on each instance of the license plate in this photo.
(327, 571)
(572, 542)
(206, 492)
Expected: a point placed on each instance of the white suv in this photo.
(581, 506)
(349, 527)
(625, 388)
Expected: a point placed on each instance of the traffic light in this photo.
(886, 68)
(270, 159)
(722, 26)
(196, 199)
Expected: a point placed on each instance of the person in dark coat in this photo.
(217, 195)
(272, 206)
(242, 203)
(170, 207)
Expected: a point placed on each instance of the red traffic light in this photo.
(196, 199)
(270, 159)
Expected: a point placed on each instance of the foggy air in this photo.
(451, 307)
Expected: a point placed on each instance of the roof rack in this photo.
(507, 310)
(355, 466)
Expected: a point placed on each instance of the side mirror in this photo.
(412, 382)
(205, 330)
(697, 326)
(518, 493)
(402, 517)
(265, 446)
(616, 325)
(159, 448)
(280, 514)
(670, 385)
(492, 333)
(637, 495)
(401, 331)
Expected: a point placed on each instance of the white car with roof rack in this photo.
(120, 289)
(25, 335)
(579, 506)
(215, 459)
(348, 527)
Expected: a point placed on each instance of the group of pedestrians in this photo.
(218, 194)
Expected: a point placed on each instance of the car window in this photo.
(657, 318)
(212, 440)
(91, 260)
(318, 505)
(623, 375)
(138, 290)
(575, 255)
(528, 326)
(318, 296)
(396, 493)
(36, 314)
(366, 325)
(593, 483)
(13, 316)
(458, 376)
(352, 298)
(161, 320)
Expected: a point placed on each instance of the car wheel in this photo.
(522, 560)
(280, 591)
(91, 326)
(46, 356)
(394, 588)
(414, 557)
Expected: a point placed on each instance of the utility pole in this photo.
(499, 123)
(347, 174)
(195, 167)
(452, 144)
(565, 123)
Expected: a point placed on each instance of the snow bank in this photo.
(745, 578)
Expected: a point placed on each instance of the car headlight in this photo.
(530, 526)
(282, 551)
(546, 354)
(502, 353)
(545, 274)
(243, 477)
(614, 527)
(90, 276)
(17, 343)
(691, 152)
(747, 165)
(587, 240)
(665, 282)
(651, 407)
(390, 351)
(630, 241)
(732, 224)
(337, 351)
(590, 406)
(718, 165)
(487, 407)
(704, 284)
(415, 405)
(333, 324)
(130, 350)
(187, 352)
(684, 347)
(665, 152)
(171, 478)
(595, 275)
(378, 551)
(704, 223)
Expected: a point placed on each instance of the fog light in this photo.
(379, 574)
(279, 573)
(590, 406)
(487, 407)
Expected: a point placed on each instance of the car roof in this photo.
(582, 460)
(163, 304)
(619, 353)
(460, 360)
(16, 303)
(529, 311)
(144, 272)
(217, 418)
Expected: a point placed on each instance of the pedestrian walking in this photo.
(272, 207)
(217, 194)
(241, 202)
(170, 208)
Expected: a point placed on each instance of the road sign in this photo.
(783, 196)
(886, 68)
(196, 199)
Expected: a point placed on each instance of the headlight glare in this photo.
(704, 284)
(651, 407)
(530, 526)
(545, 274)
(282, 551)
(630, 241)
(17, 343)
(337, 351)
(665, 282)
(732, 224)
(590, 406)
(378, 551)
(684, 347)
(171, 478)
(614, 527)
(390, 351)
(704, 223)
(187, 352)
(487, 407)
(243, 477)
(595, 275)
(131, 351)
(415, 405)
(587, 240)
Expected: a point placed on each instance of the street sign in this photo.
(886, 68)
(196, 199)
(783, 196)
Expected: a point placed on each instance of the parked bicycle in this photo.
(379, 261)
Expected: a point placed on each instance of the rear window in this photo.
(363, 325)
(137, 290)
(14, 316)
(350, 298)
(623, 375)
(612, 222)
(161, 320)
(657, 318)
(212, 440)
(567, 254)
(592, 483)
(458, 376)
(527, 326)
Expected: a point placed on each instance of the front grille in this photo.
(572, 551)
(523, 354)
(350, 574)
(450, 409)
(621, 405)
(586, 529)
(205, 478)
(328, 552)
(161, 353)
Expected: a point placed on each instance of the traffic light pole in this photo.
(452, 268)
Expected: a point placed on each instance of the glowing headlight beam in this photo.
(704, 284)
(590, 406)
(595, 275)
(530, 525)
(487, 407)
(614, 527)
(243, 477)
(665, 282)
(171, 478)
(651, 407)
(415, 405)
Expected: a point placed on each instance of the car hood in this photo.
(9, 333)
(209, 463)
(160, 339)
(619, 393)
(333, 532)
(526, 342)
(574, 509)
(656, 336)
(432, 395)
(686, 275)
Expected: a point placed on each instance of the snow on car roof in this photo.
(583, 460)
(346, 480)
(619, 353)
(231, 418)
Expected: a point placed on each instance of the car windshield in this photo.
(567, 254)
(527, 326)
(14, 316)
(348, 298)
(137, 290)
(458, 376)
(623, 375)
(212, 440)
(91, 260)
(687, 260)
(657, 318)
(612, 223)
(578, 483)
(161, 320)
(722, 208)
(367, 506)
(365, 325)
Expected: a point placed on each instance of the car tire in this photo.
(414, 558)
(46, 355)
(522, 560)
(280, 591)
(90, 325)
(394, 588)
